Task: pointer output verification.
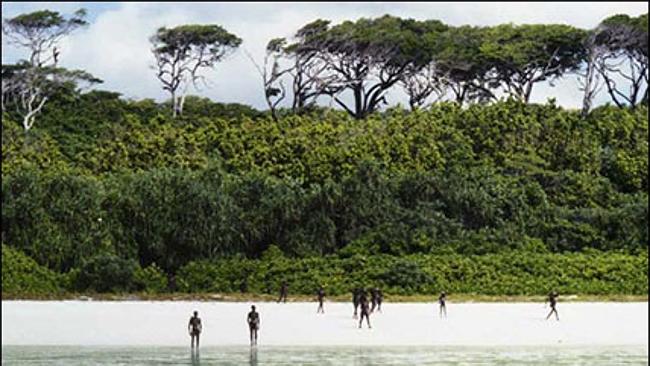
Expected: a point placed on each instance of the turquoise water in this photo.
(238, 355)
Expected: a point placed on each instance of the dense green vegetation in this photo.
(118, 196)
(506, 273)
(22, 275)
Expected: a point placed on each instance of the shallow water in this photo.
(275, 355)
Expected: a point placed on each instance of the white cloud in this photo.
(115, 46)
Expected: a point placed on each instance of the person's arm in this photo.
(200, 326)
(189, 326)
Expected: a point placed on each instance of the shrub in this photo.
(150, 279)
(21, 275)
(106, 272)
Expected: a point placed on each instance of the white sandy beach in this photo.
(164, 323)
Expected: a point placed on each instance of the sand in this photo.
(164, 323)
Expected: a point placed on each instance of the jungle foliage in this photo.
(113, 184)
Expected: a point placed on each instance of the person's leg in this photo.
(255, 336)
(557, 317)
(197, 340)
(549, 314)
(250, 331)
(444, 309)
(192, 336)
(368, 321)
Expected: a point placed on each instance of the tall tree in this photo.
(626, 40)
(26, 89)
(589, 78)
(461, 65)
(181, 52)
(527, 54)
(419, 83)
(29, 84)
(310, 78)
(424, 75)
(367, 57)
(272, 74)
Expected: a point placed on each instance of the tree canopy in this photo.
(181, 52)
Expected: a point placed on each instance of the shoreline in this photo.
(238, 297)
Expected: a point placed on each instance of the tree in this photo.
(29, 84)
(28, 88)
(462, 67)
(272, 73)
(309, 72)
(589, 78)
(367, 57)
(420, 84)
(531, 53)
(182, 51)
(626, 40)
(424, 75)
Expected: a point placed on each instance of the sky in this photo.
(115, 46)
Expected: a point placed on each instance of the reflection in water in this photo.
(359, 356)
(195, 358)
(253, 356)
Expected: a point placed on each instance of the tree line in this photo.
(355, 63)
(106, 175)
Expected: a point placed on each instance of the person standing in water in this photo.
(365, 309)
(253, 324)
(321, 296)
(356, 293)
(194, 327)
(552, 299)
(442, 300)
(283, 292)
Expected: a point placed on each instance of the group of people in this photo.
(359, 300)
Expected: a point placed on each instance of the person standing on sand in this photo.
(442, 300)
(283, 292)
(194, 327)
(380, 298)
(253, 320)
(552, 299)
(373, 299)
(365, 309)
(321, 296)
(356, 293)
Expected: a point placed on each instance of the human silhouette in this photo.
(194, 327)
(253, 320)
(552, 299)
(365, 309)
(283, 292)
(321, 295)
